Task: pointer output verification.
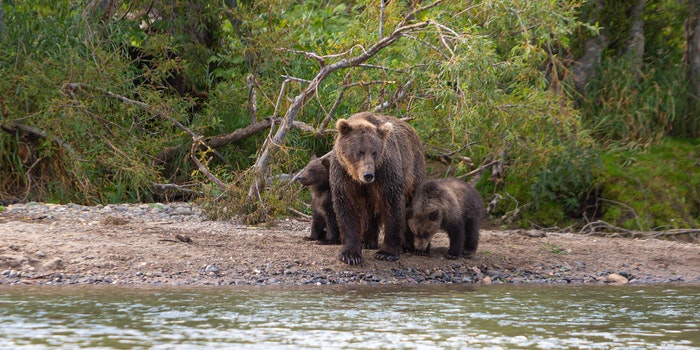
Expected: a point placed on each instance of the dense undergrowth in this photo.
(103, 107)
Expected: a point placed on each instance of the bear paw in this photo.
(421, 252)
(350, 259)
(386, 256)
(451, 257)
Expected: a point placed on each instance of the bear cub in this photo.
(451, 205)
(324, 227)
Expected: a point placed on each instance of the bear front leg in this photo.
(318, 225)
(350, 226)
(394, 219)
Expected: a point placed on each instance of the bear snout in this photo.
(368, 177)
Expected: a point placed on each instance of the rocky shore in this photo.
(173, 244)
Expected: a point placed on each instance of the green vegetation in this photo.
(653, 189)
(101, 103)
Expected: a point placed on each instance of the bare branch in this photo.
(443, 41)
(444, 55)
(298, 80)
(14, 127)
(196, 142)
(398, 96)
(480, 169)
(178, 188)
(322, 127)
(382, 18)
(252, 98)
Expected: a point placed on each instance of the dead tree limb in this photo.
(262, 163)
(480, 169)
(252, 98)
(193, 154)
(13, 127)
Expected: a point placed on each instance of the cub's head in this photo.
(424, 219)
(359, 147)
(315, 173)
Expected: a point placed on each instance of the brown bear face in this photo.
(424, 223)
(360, 146)
(314, 173)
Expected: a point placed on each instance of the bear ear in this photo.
(326, 162)
(385, 129)
(343, 126)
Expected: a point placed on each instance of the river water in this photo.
(373, 317)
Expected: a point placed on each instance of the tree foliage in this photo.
(114, 101)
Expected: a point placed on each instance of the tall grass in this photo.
(626, 106)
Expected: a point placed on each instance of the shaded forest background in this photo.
(575, 113)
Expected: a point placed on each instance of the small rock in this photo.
(211, 268)
(486, 280)
(436, 274)
(617, 278)
(54, 264)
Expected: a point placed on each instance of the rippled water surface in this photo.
(431, 317)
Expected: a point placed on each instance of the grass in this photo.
(653, 189)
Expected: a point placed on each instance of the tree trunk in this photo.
(635, 41)
(2, 21)
(692, 55)
(692, 62)
(585, 67)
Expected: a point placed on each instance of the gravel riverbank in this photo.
(173, 244)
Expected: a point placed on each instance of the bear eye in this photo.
(362, 153)
(433, 215)
(374, 154)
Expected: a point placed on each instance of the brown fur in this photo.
(377, 165)
(324, 227)
(450, 205)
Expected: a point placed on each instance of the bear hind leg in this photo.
(471, 241)
(457, 241)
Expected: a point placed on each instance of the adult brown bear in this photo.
(324, 227)
(377, 165)
(450, 205)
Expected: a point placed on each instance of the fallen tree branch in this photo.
(178, 188)
(480, 169)
(14, 127)
(602, 228)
